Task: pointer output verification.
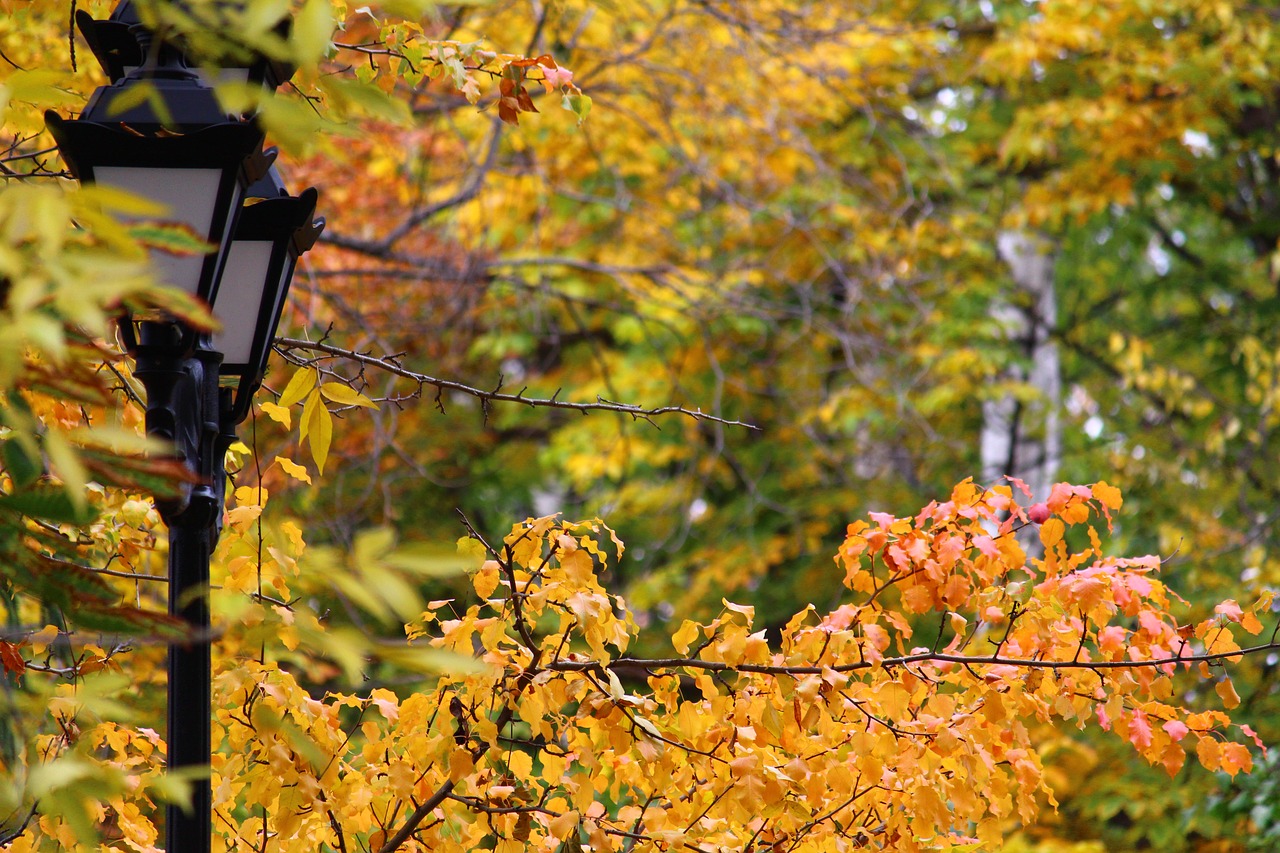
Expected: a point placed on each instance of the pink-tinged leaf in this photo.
(986, 546)
(1058, 496)
(879, 641)
(1229, 609)
(1249, 732)
(1151, 623)
(1111, 639)
(1019, 484)
(1138, 584)
(1236, 757)
(1104, 720)
(1139, 730)
(841, 618)
(1176, 729)
(554, 78)
(883, 519)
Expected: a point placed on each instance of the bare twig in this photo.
(657, 664)
(390, 365)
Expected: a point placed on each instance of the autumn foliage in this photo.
(902, 719)
(742, 298)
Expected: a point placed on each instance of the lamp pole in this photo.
(203, 165)
(186, 407)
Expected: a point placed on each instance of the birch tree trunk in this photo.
(1021, 432)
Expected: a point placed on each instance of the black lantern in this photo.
(199, 177)
(273, 231)
(158, 132)
(116, 46)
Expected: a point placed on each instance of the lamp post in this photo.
(176, 146)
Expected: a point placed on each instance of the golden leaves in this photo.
(315, 427)
(561, 738)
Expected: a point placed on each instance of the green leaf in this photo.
(428, 563)
(578, 104)
(312, 28)
(22, 469)
(349, 94)
(176, 238)
(48, 503)
(66, 462)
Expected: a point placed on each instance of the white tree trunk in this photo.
(1021, 433)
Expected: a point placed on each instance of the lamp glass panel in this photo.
(224, 75)
(188, 195)
(239, 302)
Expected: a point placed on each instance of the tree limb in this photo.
(390, 364)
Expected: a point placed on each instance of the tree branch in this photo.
(650, 665)
(390, 365)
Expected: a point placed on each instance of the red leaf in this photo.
(11, 659)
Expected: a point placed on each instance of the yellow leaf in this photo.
(1251, 624)
(562, 825)
(241, 517)
(317, 429)
(1051, 532)
(486, 580)
(1209, 753)
(1108, 495)
(460, 764)
(684, 638)
(344, 395)
(42, 638)
(471, 547)
(294, 470)
(894, 699)
(521, 764)
(1172, 758)
(277, 413)
(299, 385)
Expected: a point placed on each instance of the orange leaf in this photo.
(1108, 495)
(1227, 691)
(11, 659)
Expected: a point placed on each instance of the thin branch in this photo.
(651, 664)
(6, 837)
(389, 365)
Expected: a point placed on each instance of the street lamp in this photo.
(158, 132)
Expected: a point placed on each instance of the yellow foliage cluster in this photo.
(902, 719)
